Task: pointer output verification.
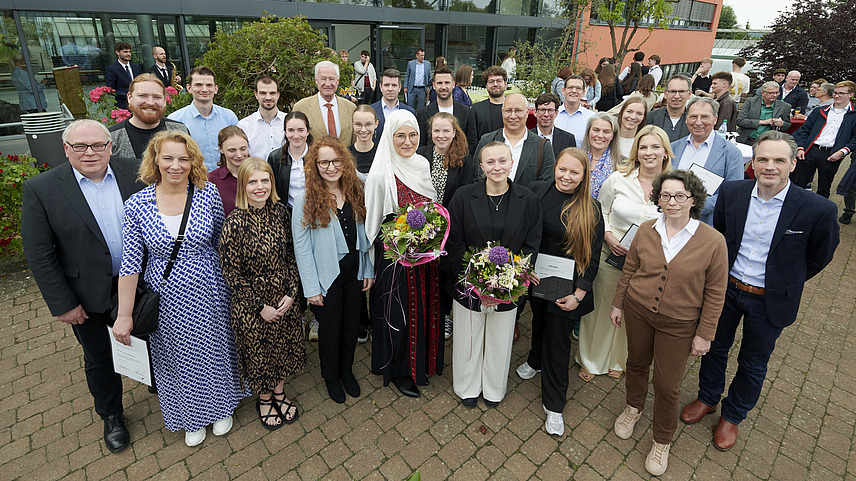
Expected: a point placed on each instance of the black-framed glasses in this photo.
(677, 92)
(96, 147)
(325, 164)
(545, 111)
(680, 197)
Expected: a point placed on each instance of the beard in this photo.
(145, 115)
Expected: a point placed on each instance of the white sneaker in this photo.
(448, 327)
(222, 426)
(525, 371)
(626, 422)
(194, 438)
(313, 330)
(555, 423)
(658, 459)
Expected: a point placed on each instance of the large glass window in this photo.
(519, 7)
(417, 4)
(471, 45)
(200, 32)
(16, 89)
(479, 6)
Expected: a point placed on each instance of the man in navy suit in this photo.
(707, 149)
(121, 73)
(390, 86)
(416, 80)
(546, 109)
(778, 236)
(792, 93)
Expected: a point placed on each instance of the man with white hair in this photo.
(328, 114)
(792, 93)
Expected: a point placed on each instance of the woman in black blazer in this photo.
(494, 209)
(298, 138)
(451, 167)
(573, 229)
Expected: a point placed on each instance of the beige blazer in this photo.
(310, 107)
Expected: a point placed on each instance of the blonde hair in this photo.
(149, 172)
(247, 168)
(579, 214)
(633, 162)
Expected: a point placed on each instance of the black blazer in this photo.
(157, 73)
(457, 177)
(461, 112)
(586, 281)
(481, 111)
(470, 227)
(527, 171)
(561, 140)
(804, 242)
(64, 246)
(280, 162)
(116, 77)
(797, 97)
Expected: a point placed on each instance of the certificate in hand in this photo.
(131, 361)
(557, 277)
(626, 240)
(710, 180)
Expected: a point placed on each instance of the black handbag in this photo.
(146, 300)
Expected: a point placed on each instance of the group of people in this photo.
(290, 220)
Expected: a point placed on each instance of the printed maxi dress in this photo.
(193, 348)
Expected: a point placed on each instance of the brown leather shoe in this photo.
(516, 332)
(695, 411)
(725, 435)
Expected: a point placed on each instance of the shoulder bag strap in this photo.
(178, 240)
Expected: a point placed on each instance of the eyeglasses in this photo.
(325, 164)
(840, 94)
(680, 198)
(96, 147)
(677, 92)
(573, 87)
(513, 111)
(545, 111)
(495, 81)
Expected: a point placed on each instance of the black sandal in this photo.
(288, 405)
(273, 412)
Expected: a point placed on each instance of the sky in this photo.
(759, 13)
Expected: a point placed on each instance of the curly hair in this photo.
(458, 151)
(248, 167)
(319, 202)
(692, 183)
(580, 214)
(149, 172)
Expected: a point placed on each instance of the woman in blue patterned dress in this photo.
(193, 348)
(601, 145)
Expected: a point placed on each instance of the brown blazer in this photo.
(310, 107)
(690, 287)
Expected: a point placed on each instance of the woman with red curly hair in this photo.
(332, 254)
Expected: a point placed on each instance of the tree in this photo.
(624, 19)
(812, 36)
(287, 49)
(727, 19)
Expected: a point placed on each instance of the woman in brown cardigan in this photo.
(671, 293)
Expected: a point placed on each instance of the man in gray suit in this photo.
(762, 113)
(673, 117)
(707, 149)
(71, 227)
(533, 156)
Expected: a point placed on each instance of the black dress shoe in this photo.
(845, 218)
(406, 386)
(470, 402)
(491, 404)
(116, 435)
(352, 387)
(334, 389)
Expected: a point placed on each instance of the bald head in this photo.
(792, 79)
(515, 110)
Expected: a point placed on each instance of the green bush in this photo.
(14, 170)
(287, 49)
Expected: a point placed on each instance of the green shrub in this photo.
(14, 170)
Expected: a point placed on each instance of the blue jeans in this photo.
(759, 340)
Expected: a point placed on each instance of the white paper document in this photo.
(628, 236)
(710, 180)
(131, 361)
(554, 266)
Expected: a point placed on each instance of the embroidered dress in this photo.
(601, 171)
(193, 348)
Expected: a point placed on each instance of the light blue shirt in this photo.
(419, 74)
(204, 130)
(387, 110)
(574, 123)
(694, 155)
(105, 202)
(750, 266)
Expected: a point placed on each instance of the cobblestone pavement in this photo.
(802, 428)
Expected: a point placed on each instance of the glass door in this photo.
(398, 45)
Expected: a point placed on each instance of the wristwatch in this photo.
(579, 301)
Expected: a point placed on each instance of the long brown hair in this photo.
(587, 72)
(454, 158)
(579, 214)
(319, 202)
(227, 133)
(607, 77)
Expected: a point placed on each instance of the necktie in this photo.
(128, 69)
(331, 120)
(163, 73)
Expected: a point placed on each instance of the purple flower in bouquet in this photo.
(498, 255)
(416, 219)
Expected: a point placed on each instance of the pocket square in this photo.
(788, 231)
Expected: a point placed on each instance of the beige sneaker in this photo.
(313, 330)
(658, 459)
(626, 421)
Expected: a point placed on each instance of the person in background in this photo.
(21, 82)
(779, 76)
(163, 70)
(679, 267)
(327, 112)
(333, 256)
(557, 86)
(625, 200)
(814, 91)
(604, 61)
(654, 69)
(444, 83)
(234, 149)
(265, 128)
(257, 258)
(390, 86)
(572, 117)
(193, 349)
(488, 112)
(463, 80)
(546, 108)
(644, 91)
(601, 145)
(740, 81)
(121, 73)
(364, 149)
(673, 117)
(611, 93)
(719, 91)
(451, 167)
(701, 79)
(573, 229)
(509, 63)
(761, 113)
(792, 93)
(417, 80)
(439, 62)
(345, 56)
(593, 89)
(365, 78)
(287, 161)
(631, 118)
(632, 74)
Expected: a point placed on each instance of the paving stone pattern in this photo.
(802, 428)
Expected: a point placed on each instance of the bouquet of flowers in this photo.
(497, 273)
(417, 235)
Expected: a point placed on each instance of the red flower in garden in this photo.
(171, 90)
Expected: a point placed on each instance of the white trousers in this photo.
(481, 348)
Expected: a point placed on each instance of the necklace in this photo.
(497, 204)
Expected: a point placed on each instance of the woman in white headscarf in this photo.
(407, 340)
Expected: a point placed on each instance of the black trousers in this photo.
(104, 384)
(339, 321)
(551, 353)
(815, 159)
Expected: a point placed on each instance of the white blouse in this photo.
(624, 204)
